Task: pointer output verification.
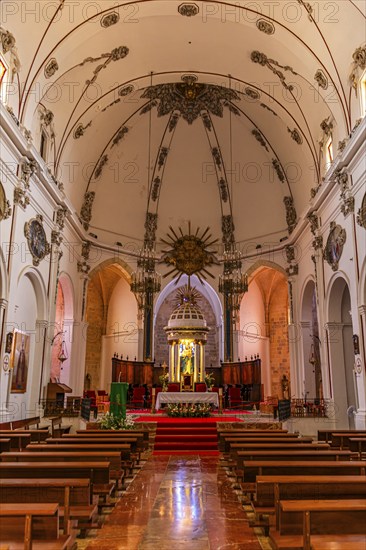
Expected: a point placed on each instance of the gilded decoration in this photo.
(151, 225)
(5, 208)
(8, 45)
(37, 240)
(265, 26)
(334, 246)
(190, 254)
(188, 9)
(358, 65)
(189, 98)
(291, 216)
(361, 214)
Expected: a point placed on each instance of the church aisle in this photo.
(178, 502)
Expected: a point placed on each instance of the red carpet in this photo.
(187, 435)
(188, 421)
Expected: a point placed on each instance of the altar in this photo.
(187, 397)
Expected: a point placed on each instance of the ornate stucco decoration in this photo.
(295, 134)
(27, 169)
(86, 209)
(361, 214)
(290, 253)
(264, 106)
(120, 135)
(51, 68)
(278, 169)
(151, 225)
(188, 9)
(317, 243)
(265, 26)
(358, 65)
(321, 79)
(109, 19)
(308, 8)
(46, 117)
(348, 205)
(36, 237)
(259, 137)
(115, 55)
(292, 270)
(8, 46)
(99, 168)
(83, 265)
(334, 246)
(5, 208)
(348, 201)
(262, 59)
(56, 238)
(60, 216)
(252, 93)
(189, 97)
(227, 228)
(314, 222)
(327, 126)
(126, 90)
(80, 130)
(21, 197)
(190, 254)
(291, 216)
(224, 194)
(342, 145)
(155, 188)
(315, 190)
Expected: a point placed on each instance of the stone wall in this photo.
(279, 347)
(94, 318)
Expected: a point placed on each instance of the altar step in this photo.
(186, 437)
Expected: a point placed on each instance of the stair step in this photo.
(192, 437)
(185, 445)
(190, 430)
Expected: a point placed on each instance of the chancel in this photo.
(182, 274)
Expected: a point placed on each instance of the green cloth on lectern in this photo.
(118, 399)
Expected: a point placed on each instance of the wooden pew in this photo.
(278, 446)
(341, 439)
(145, 433)
(74, 497)
(18, 440)
(273, 436)
(293, 455)
(37, 525)
(357, 444)
(97, 472)
(138, 436)
(57, 428)
(117, 471)
(326, 435)
(253, 468)
(26, 423)
(321, 517)
(35, 435)
(270, 490)
(4, 444)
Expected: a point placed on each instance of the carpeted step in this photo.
(186, 445)
(177, 438)
(182, 431)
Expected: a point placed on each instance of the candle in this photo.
(220, 391)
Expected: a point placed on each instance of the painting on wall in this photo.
(19, 361)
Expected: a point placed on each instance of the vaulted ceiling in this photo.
(191, 111)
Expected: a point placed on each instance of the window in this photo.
(3, 80)
(363, 94)
(329, 152)
(43, 146)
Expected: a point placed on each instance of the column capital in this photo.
(362, 310)
(3, 303)
(333, 325)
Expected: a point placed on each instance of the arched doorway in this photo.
(63, 332)
(341, 354)
(311, 343)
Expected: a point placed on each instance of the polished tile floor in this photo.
(178, 502)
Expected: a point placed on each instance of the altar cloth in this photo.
(186, 397)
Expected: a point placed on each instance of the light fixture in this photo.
(233, 283)
(145, 281)
(63, 353)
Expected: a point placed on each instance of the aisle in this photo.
(178, 502)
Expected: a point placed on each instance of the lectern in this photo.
(118, 399)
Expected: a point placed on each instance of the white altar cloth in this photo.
(186, 397)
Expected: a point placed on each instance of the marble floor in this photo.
(178, 502)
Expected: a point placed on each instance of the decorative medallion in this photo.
(37, 240)
(265, 26)
(334, 246)
(188, 9)
(126, 90)
(189, 254)
(86, 209)
(189, 98)
(321, 79)
(5, 209)
(361, 214)
(109, 19)
(51, 68)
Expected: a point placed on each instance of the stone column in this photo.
(202, 362)
(196, 359)
(4, 376)
(359, 369)
(172, 362)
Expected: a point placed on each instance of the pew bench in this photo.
(270, 490)
(271, 440)
(74, 497)
(57, 428)
(321, 517)
(31, 526)
(35, 435)
(145, 433)
(358, 444)
(341, 439)
(101, 441)
(26, 423)
(18, 440)
(4, 444)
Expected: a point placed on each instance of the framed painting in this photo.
(19, 361)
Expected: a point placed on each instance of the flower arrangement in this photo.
(111, 422)
(197, 410)
(209, 379)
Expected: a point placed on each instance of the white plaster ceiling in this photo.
(215, 45)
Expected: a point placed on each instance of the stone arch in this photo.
(340, 344)
(63, 330)
(265, 263)
(39, 289)
(362, 285)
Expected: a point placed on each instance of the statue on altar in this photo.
(186, 357)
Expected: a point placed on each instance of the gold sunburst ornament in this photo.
(190, 253)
